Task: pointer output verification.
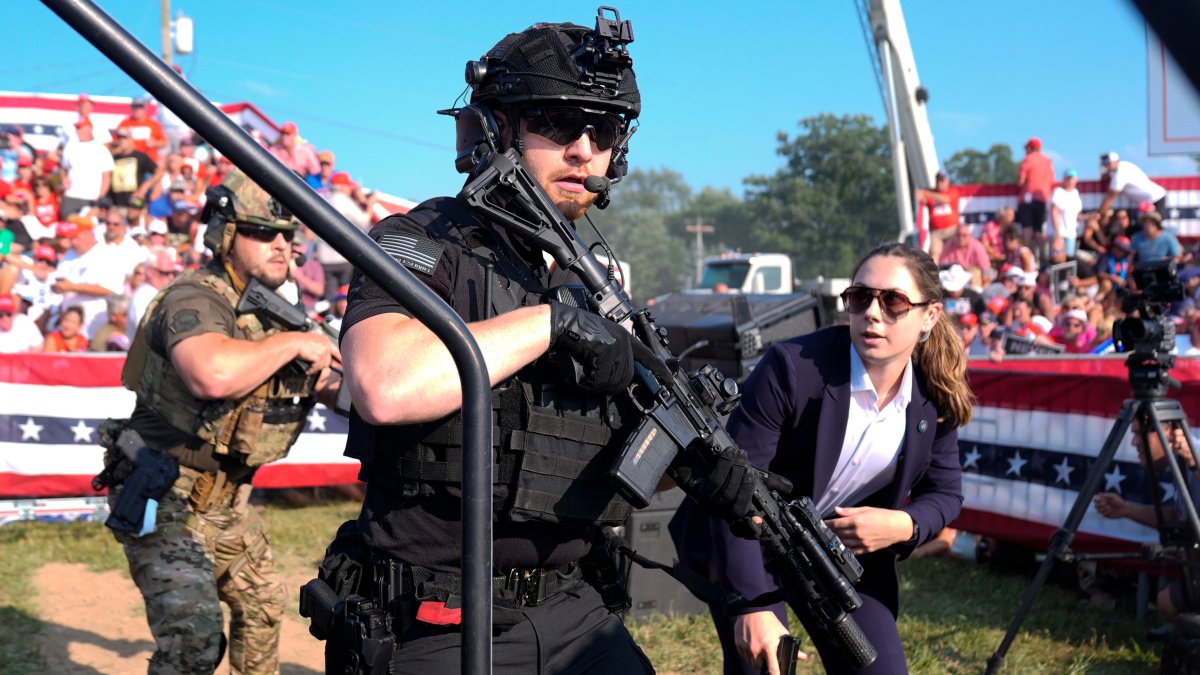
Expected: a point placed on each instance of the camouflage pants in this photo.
(174, 567)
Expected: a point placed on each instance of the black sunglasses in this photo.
(264, 234)
(564, 125)
(894, 303)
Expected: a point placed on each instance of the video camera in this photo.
(1150, 335)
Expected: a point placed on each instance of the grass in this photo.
(954, 612)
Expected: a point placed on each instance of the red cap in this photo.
(340, 178)
(288, 128)
(24, 160)
(968, 319)
(997, 305)
(83, 122)
(83, 97)
(1122, 242)
(7, 304)
(1145, 206)
(1035, 143)
(45, 252)
(65, 229)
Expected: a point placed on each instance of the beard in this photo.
(572, 204)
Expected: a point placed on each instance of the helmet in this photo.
(561, 63)
(239, 200)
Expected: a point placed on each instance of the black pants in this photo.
(876, 620)
(569, 633)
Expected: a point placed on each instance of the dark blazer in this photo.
(792, 420)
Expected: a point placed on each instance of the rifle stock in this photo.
(682, 413)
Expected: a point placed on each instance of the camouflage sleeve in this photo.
(187, 312)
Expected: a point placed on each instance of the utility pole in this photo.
(699, 228)
(167, 49)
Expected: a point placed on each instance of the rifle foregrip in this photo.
(852, 642)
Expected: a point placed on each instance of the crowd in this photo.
(93, 229)
(1047, 276)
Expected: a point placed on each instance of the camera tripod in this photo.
(1153, 412)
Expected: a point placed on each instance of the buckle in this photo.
(525, 585)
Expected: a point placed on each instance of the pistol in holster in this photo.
(144, 475)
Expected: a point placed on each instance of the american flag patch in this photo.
(412, 251)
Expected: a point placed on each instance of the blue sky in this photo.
(718, 79)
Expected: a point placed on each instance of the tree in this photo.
(832, 200)
(639, 225)
(994, 167)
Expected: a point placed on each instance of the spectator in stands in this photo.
(24, 180)
(337, 269)
(309, 276)
(89, 167)
(1127, 178)
(116, 308)
(10, 152)
(973, 341)
(968, 252)
(1016, 253)
(183, 225)
(33, 279)
(45, 202)
(147, 134)
(135, 213)
(958, 298)
(135, 278)
(1073, 332)
(1035, 178)
(93, 273)
(1066, 207)
(18, 333)
(992, 236)
(198, 167)
(133, 171)
(83, 105)
(1027, 288)
(69, 337)
(116, 236)
(941, 202)
(1154, 242)
(295, 154)
(320, 181)
(161, 205)
(16, 142)
(162, 266)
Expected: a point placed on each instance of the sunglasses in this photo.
(5, 315)
(564, 125)
(169, 273)
(895, 304)
(265, 235)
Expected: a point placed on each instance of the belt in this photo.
(518, 587)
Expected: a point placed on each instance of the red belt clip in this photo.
(438, 614)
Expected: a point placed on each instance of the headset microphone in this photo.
(596, 184)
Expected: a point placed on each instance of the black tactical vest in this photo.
(553, 444)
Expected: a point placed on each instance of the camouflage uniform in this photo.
(209, 545)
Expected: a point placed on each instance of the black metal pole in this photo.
(124, 50)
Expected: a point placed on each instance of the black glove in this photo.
(602, 349)
(723, 485)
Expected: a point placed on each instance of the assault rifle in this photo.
(261, 300)
(682, 413)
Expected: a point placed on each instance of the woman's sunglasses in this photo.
(565, 125)
(894, 303)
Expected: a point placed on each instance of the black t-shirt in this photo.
(129, 171)
(427, 530)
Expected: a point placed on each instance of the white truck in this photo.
(766, 274)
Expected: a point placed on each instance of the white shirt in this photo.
(1130, 180)
(101, 265)
(872, 442)
(1070, 204)
(138, 304)
(39, 291)
(85, 164)
(23, 337)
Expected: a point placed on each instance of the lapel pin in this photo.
(922, 426)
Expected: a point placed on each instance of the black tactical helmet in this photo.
(563, 64)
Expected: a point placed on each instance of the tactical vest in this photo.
(553, 445)
(255, 429)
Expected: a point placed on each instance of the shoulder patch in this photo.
(413, 251)
(185, 320)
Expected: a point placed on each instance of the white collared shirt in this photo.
(872, 442)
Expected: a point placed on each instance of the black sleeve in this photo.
(366, 299)
(20, 234)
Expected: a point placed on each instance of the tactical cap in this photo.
(254, 206)
(557, 63)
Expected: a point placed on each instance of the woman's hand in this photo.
(865, 528)
(757, 638)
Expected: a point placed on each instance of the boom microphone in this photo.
(596, 184)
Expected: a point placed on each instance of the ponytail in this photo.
(943, 363)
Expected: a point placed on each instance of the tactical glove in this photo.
(722, 485)
(604, 351)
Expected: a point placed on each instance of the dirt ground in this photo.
(95, 623)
